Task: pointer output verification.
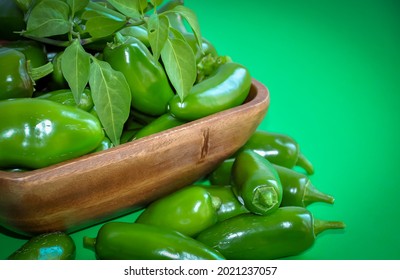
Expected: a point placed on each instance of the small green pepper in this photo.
(66, 97)
(11, 20)
(227, 87)
(134, 241)
(221, 175)
(279, 149)
(188, 210)
(298, 189)
(148, 82)
(230, 205)
(57, 80)
(41, 132)
(34, 51)
(47, 246)
(288, 231)
(163, 122)
(256, 183)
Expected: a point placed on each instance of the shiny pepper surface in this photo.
(39, 133)
(287, 232)
(15, 81)
(148, 82)
(226, 88)
(188, 210)
(133, 241)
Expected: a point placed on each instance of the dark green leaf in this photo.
(180, 65)
(75, 66)
(49, 18)
(130, 8)
(77, 5)
(111, 97)
(158, 33)
(102, 26)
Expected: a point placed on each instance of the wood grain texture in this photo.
(100, 186)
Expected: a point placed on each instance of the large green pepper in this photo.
(230, 205)
(227, 87)
(39, 133)
(134, 241)
(163, 122)
(188, 210)
(256, 183)
(47, 246)
(287, 232)
(279, 149)
(146, 77)
(15, 81)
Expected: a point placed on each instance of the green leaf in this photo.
(158, 33)
(111, 97)
(180, 65)
(49, 18)
(77, 5)
(191, 18)
(102, 26)
(75, 66)
(156, 3)
(130, 8)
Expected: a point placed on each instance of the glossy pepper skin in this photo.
(40, 132)
(65, 97)
(146, 77)
(134, 241)
(15, 81)
(163, 122)
(227, 87)
(279, 149)
(34, 51)
(11, 20)
(256, 183)
(47, 246)
(230, 205)
(298, 189)
(288, 231)
(188, 211)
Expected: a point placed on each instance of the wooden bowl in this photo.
(91, 189)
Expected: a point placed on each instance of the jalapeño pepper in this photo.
(256, 183)
(287, 232)
(227, 87)
(47, 246)
(66, 97)
(146, 77)
(164, 122)
(279, 149)
(188, 210)
(134, 241)
(41, 132)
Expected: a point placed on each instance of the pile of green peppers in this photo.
(252, 206)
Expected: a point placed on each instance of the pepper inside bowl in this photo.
(93, 188)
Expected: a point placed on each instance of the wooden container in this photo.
(91, 189)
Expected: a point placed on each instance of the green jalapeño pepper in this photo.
(287, 232)
(146, 77)
(188, 210)
(41, 132)
(11, 20)
(298, 189)
(230, 205)
(227, 87)
(66, 97)
(163, 122)
(279, 149)
(34, 51)
(134, 241)
(256, 183)
(47, 246)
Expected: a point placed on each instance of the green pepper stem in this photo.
(312, 194)
(304, 163)
(265, 198)
(89, 242)
(321, 225)
(41, 71)
(216, 202)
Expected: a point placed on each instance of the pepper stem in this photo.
(304, 163)
(41, 71)
(321, 225)
(216, 202)
(312, 194)
(264, 198)
(89, 243)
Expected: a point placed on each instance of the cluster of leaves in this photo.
(73, 24)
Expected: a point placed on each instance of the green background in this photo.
(332, 68)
